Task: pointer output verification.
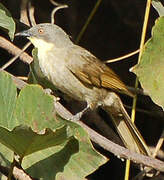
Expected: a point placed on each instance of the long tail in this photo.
(127, 130)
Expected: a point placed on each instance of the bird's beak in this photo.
(25, 33)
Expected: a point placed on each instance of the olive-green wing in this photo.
(90, 70)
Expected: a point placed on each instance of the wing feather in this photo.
(91, 71)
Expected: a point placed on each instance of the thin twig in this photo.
(159, 144)
(160, 153)
(55, 3)
(23, 12)
(123, 57)
(31, 14)
(148, 112)
(59, 6)
(12, 49)
(15, 57)
(88, 21)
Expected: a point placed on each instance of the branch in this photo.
(20, 174)
(15, 57)
(12, 49)
(108, 145)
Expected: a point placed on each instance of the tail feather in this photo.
(127, 130)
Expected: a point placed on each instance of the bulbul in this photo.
(79, 74)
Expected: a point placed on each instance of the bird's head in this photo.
(47, 35)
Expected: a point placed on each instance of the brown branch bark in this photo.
(12, 49)
(20, 174)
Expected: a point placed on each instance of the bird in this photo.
(82, 76)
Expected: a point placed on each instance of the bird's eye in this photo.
(40, 31)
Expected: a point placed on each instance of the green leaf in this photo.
(8, 93)
(34, 108)
(23, 141)
(6, 156)
(56, 148)
(7, 105)
(75, 160)
(7, 22)
(150, 68)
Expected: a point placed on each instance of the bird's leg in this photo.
(78, 116)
